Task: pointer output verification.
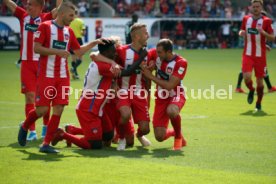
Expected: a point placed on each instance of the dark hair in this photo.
(166, 44)
(106, 46)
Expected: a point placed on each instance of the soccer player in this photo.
(256, 29)
(98, 80)
(79, 29)
(134, 102)
(266, 77)
(29, 21)
(53, 40)
(170, 99)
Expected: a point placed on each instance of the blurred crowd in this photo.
(187, 8)
(163, 8)
(86, 8)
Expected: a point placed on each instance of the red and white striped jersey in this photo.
(28, 26)
(98, 80)
(126, 56)
(50, 35)
(176, 67)
(254, 41)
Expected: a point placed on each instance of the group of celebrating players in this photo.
(46, 41)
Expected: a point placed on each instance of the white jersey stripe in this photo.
(25, 38)
(51, 58)
(258, 39)
(249, 41)
(129, 61)
(63, 73)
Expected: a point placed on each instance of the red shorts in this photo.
(91, 125)
(160, 116)
(139, 107)
(258, 63)
(112, 115)
(28, 76)
(55, 90)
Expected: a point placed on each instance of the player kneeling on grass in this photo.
(98, 81)
(53, 40)
(170, 98)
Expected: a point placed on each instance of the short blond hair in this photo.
(257, 1)
(136, 27)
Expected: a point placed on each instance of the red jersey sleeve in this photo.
(40, 34)
(268, 26)
(243, 23)
(152, 55)
(19, 13)
(180, 69)
(74, 44)
(105, 69)
(47, 16)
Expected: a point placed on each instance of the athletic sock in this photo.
(46, 117)
(176, 123)
(240, 77)
(80, 142)
(28, 108)
(169, 133)
(267, 81)
(51, 129)
(31, 118)
(250, 85)
(260, 94)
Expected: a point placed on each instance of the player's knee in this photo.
(159, 137)
(30, 98)
(145, 130)
(172, 113)
(125, 116)
(96, 144)
(107, 136)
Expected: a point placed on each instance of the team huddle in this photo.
(126, 70)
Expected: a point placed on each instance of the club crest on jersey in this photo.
(94, 130)
(37, 34)
(66, 36)
(169, 70)
(181, 70)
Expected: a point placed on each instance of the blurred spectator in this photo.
(95, 7)
(201, 37)
(83, 7)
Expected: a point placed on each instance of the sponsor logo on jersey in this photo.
(59, 45)
(31, 27)
(252, 31)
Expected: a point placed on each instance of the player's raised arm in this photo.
(54, 11)
(86, 47)
(11, 5)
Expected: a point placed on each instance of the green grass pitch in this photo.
(227, 142)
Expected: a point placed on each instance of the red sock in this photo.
(139, 133)
(260, 94)
(28, 108)
(121, 131)
(74, 130)
(31, 118)
(51, 129)
(176, 123)
(46, 117)
(80, 142)
(250, 85)
(169, 133)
